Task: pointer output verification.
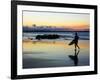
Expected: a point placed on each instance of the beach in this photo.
(54, 53)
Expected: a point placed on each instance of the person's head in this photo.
(75, 33)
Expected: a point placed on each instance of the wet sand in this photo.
(43, 54)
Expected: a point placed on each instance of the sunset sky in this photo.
(67, 20)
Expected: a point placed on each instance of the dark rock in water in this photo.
(30, 38)
(47, 36)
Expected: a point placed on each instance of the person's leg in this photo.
(75, 46)
(78, 46)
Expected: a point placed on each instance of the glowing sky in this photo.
(66, 20)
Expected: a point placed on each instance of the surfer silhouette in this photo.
(75, 41)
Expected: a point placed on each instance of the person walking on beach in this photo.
(75, 41)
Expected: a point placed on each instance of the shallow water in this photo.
(54, 53)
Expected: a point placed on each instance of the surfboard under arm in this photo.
(72, 42)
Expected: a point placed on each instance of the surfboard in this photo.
(72, 42)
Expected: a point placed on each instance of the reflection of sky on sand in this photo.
(53, 53)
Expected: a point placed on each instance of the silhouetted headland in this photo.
(47, 36)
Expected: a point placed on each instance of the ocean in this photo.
(63, 35)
